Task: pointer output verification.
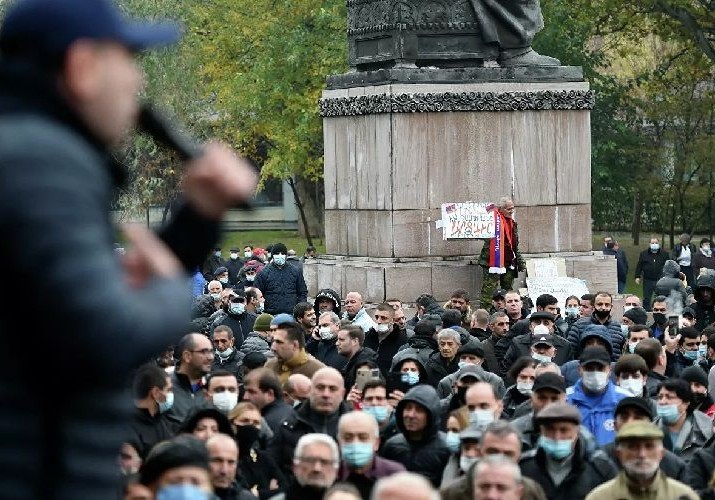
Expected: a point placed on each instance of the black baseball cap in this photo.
(46, 28)
(595, 354)
(499, 292)
(633, 402)
(550, 380)
(543, 339)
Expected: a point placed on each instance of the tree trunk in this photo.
(636, 224)
(301, 211)
(672, 225)
(146, 213)
(313, 201)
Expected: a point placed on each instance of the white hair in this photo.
(549, 366)
(401, 481)
(334, 318)
(449, 333)
(356, 415)
(317, 438)
(504, 201)
(498, 461)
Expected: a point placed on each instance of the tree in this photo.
(265, 61)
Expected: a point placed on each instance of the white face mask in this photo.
(632, 347)
(234, 256)
(541, 358)
(247, 254)
(595, 381)
(627, 308)
(633, 385)
(541, 330)
(525, 387)
(225, 401)
(466, 462)
(325, 333)
(382, 328)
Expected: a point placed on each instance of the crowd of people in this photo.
(279, 397)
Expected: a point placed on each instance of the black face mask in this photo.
(659, 318)
(602, 314)
(246, 436)
(610, 245)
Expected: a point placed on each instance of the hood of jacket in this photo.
(599, 331)
(427, 397)
(671, 269)
(420, 342)
(705, 281)
(328, 293)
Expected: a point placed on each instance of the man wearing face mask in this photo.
(222, 390)
(609, 248)
(561, 464)
(603, 303)
(541, 324)
(470, 356)
(456, 400)
(419, 447)
(212, 262)
(498, 439)
(650, 269)
(483, 405)
(227, 357)
(322, 345)
(639, 448)
(385, 337)
(359, 440)
(703, 259)
(374, 402)
(548, 388)
(595, 395)
(686, 430)
(705, 300)
(234, 265)
(153, 397)
(632, 317)
(237, 318)
(682, 351)
(698, 380)
(282, 284)
(632, 375)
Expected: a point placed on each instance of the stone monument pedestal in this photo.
(395, 151)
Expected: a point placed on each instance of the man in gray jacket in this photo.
(68, 93)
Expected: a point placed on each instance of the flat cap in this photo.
(542, 315)
(559, 412)
(640, 429)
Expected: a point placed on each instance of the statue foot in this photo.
(525, 57)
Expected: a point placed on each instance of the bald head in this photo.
(357, 423)
(221, 441)
(353, 303)
(327, 390)
(296, 388)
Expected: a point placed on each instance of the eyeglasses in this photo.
(205, 352)
(324, 462)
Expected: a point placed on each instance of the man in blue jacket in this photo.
(595, 395)
(282, 284)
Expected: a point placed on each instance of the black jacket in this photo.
(438, 367)
(701, 467)
(364, 355)
(704, 314)
(282, 287)
(386, 349)
(185, 400)
(232, 363)
(521, 346)
(650, 265)
(241, 325)
(233, 266)
(303, 420)
(588, 470)
(234, 492)
(672, 465)
(150, 430)
(512, 399)
(276, 413)
(327, 352)
(429, 455)
(57, 183)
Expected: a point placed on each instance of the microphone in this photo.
(155, 124)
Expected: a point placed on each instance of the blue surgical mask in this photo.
(632, 347)
(481, 418)
(572, 311)
(452, 441)
(279, 259)
(166, 405)
(668, 413)
(379, 412)
(411, 377)
(654, 247)
(703, 350)
(223, 280)
(462, 364)
(260, 307)
(692, 355)
(237, 308)
(225, 354)
(357, 454)
(215, 296)
(555, 448)
(624, 329)
(182, 492)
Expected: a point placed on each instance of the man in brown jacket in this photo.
(289, 347)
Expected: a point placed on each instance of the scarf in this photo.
(503, 233)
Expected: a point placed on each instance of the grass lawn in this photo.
(291, 239)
